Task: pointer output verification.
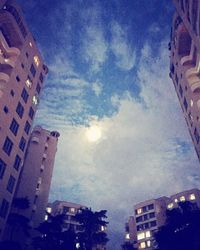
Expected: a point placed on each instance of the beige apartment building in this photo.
(36, 174)
(21, 78)
(185, 63)
(151, 214)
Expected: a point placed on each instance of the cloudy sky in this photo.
(123, 136)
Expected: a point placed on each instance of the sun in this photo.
(93, 133)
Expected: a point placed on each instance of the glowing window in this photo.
(176, 200)
(182, 198)
(139, 211)
(31, 45)
(49, 209)
(36, 60)
(46, 217)
(127, 236)
(191, 103)
(35, 100)
(28, 83)
(148, 243)
(142, 245)
(192, 197)
(148, 234)
(72, 210)
(170, 205)
(140, 236)
(103, 228)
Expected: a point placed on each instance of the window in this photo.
(192, 197)
(2, 168)
(185, 104)
(31, 112)
(147, 234)
(27, 127)
(140, 236)
(148, 243)
(33, 70)
(65, 210)
(151, 215)
(36, 60)
(27, 55)
(153, 223)
(151, 206)
(20, 110)
(142, 245)
(144, 209)
(17, 162)
(145, 217)
(22, 65)
(7, 147)
(11, 184)
(24, 95)
(169, 206)
(182, 198)
(22, 144)
(38, 88)
(181, 91)
(41, 77)
(146, 225)
(4, 208)
(35, 100)
(12, 92)
(5, 109)
(139, 211)
(28, 82)
(196, 134)
(17, 78)
(14, 126)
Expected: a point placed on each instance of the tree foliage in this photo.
(182, 230)
(128, 246)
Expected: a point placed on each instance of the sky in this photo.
(123, 138)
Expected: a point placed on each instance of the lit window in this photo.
(35, 100)
(28, 83)
(46, 217)
(140, 236)
(72, 210)
(192, 197)
(170, 205)
(176, 200)
(103, 228)
(148, 243)
(36, 60)
(191, 103)
(142, 245)
(148, 234)
(182, 198)
(49, 209)
(31, 45)
(139, 211)
(127, 236)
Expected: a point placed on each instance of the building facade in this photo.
(35, 177)
(21, 78)
(185, 63)
(151, 214)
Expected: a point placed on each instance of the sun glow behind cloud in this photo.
(93, 133)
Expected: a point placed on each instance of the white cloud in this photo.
(120, 46)
(139, 155)
(97, 88)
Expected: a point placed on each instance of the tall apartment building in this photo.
(185, 63)
(21, 78)
(151, 214)
(35, 177)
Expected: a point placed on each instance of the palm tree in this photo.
(182, 230)
(93, 228)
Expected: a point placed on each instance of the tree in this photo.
(181, 231)
(93, 228)
(52, 235)
(16, 220)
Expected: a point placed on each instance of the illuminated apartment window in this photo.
(148, 234)
(139, 210)
(148, 243)
(28, 82)
(192, 197)
(141, 236)
(176, 200)
(35, 100)
(191, 103)
(142, 245)
(170, 205)
(31, 45)
(49, 209)
(46, 217)
(36, 60)
(72, 210)
(127, 236)
(182, 198)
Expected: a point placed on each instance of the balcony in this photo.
(35, 139)
(4, 77)
(42, 168)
